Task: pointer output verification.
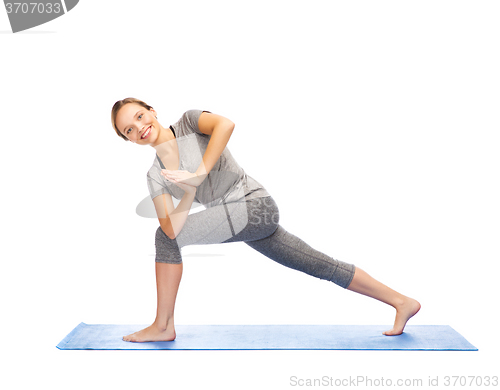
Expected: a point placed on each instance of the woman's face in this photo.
(138, 124)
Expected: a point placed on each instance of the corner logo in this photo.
(27, 14)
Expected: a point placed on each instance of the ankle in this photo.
(399, 302)
(164, 324)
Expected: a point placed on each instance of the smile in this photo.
(146, 133)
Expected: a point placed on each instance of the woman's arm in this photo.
(172, 219)
(219, 129)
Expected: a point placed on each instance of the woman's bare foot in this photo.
(151, 333)
(404, 311)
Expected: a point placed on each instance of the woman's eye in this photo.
(128, 131)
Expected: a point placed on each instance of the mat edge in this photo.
(68, 337)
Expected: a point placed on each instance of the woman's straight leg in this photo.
(290, 251)
(406, 307)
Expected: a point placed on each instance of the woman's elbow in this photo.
(227, 124)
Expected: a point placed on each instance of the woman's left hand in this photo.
(183, 176)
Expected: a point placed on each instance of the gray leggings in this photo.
(256, 223)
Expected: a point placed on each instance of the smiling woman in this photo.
(132, 102)
(192, 162)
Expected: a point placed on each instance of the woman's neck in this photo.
(165, 144)
(164, 136)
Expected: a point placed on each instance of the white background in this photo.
(373, 124)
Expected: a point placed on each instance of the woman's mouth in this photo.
(146, 133)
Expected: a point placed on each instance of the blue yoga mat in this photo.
(197, 337)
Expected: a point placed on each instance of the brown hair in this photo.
(119, 104)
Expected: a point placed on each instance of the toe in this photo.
(392, 332)
(128, 337)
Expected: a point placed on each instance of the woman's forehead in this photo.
(127, 113)
(130, 109)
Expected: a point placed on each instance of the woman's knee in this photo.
(167, 249)
(160, 234)
(162, 239)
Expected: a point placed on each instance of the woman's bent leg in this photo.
(168, 278)
(211, 226)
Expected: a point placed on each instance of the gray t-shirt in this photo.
(226, 182)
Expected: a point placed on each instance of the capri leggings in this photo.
(256, 223)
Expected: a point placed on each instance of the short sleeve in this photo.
(190, 121)
(155, 187)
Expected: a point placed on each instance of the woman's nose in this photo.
(137, 132)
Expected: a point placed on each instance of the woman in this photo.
(192, 163)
